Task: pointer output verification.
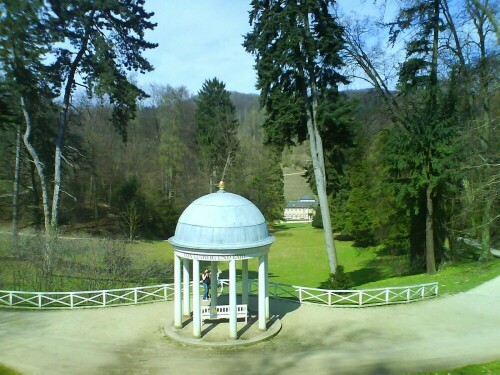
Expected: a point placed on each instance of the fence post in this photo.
(408, 295)
(40, 300)
(104, 298)
(71, 300)
(422, 293)
(135, 295)
(387, 296)
(360, 296)
(300, 295)
(164, 292)
(329, 298)
(10, 299)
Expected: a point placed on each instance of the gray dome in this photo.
(220, 221)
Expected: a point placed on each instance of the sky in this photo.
(202, 39)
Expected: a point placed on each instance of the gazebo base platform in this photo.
(214, 333)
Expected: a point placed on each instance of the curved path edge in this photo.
(447, 332)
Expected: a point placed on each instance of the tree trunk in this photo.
(485, 230)
(36, 198)
(318, 160)
(479, 13)
(430, 260)
(429, 234)
(15, 195)
(63, 120)
(39, 166)
(56, 198)
(47, 266)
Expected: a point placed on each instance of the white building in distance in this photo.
(303, 209)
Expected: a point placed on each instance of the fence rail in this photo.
(351, 298)
(164, 292)
(95, 298)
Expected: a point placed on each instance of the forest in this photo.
(411, 163)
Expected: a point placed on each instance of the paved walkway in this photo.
(449, 331)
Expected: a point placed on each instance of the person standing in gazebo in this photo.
(205, 277)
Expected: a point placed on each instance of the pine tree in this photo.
(422, 147)
(217, 129)
(297, 48)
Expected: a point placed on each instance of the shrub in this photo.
(317, 221)
(338, 280)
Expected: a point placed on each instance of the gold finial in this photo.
(221, 185)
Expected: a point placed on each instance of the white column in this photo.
(213, 285)
(196, 299)
(177, 292)
(186, 295)
(244, 281)
(266, 262)
(233, 327)
(262, 292)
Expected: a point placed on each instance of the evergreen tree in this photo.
(422, 147)
(338, 280)
(297, 48)
(217, 129)
(360, 223)
(258, 176)
(317, 221)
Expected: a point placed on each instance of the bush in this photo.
(77, 265)
(338, 280)
(317, 221)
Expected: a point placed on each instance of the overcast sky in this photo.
(202, 39)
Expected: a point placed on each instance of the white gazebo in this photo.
(219, 227)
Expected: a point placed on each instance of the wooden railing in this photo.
(94, 298)
(164, 292)
(349, 298)
(222, 312)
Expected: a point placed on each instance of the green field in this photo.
(4, 370)
(490, 368)
(297, 257)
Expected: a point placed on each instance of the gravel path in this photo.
(446, 332)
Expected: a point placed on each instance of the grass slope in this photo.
(298, 257)
(295, 185)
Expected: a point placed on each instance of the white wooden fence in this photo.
(350, 298)
(163, 292)
(94, 298)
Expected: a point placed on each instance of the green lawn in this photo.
(4, 370)
(143, 252)
(490, 368)
(298, 257)
(451, 279)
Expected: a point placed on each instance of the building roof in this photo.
(221, 221)
(307, 198)
(300, 204)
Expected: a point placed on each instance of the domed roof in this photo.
(221, 221)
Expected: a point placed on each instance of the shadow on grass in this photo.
(365, 275)
(384, 265)
(280, 228)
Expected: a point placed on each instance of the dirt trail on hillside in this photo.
(449, 331)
